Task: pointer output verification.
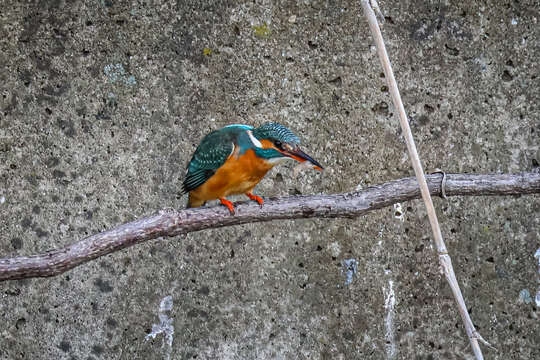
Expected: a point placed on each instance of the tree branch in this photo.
(173, 223)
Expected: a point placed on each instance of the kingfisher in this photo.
(234, 159)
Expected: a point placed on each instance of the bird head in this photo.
(278, 143)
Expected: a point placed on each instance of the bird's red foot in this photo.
(256, 198)
(228, 204)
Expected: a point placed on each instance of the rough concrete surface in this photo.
(103, 102)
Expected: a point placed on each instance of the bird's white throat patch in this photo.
(254, 140)
(278, 160)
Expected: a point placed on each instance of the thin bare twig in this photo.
(173, 223)
(444, 258)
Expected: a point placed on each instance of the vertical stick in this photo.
(444, 258)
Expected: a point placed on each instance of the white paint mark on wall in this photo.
(537, 297)
(389, 304)
(482, 63)
(165, 326)
(398, 212)
(334, 248)
(130, 80)
(380, 233)
(2, 199)
(349, 268)
(116, 72)
(525, 296)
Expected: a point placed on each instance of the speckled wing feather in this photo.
(211, 153)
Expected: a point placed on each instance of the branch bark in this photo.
(174, 223)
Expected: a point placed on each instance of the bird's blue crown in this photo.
(276, 131)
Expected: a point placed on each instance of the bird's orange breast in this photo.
(238, 175)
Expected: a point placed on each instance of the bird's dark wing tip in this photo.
(195, 179)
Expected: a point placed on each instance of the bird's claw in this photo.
(256, 198)
(228, 204)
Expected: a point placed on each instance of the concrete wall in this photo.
(103, 102)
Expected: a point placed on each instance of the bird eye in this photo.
(277, 143)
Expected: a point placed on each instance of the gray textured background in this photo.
(102, 103)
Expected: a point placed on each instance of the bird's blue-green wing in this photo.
(211, 153)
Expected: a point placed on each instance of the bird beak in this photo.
(301, 156)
